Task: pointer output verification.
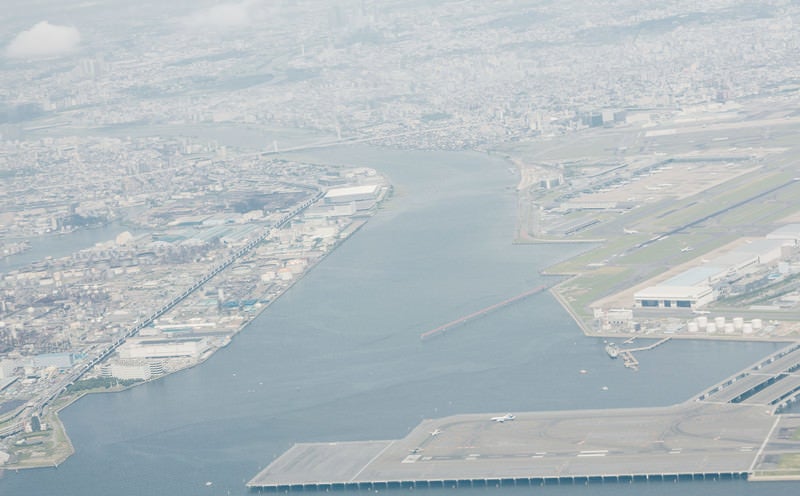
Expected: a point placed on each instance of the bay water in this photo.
(338, 357)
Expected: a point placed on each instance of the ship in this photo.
(612, 350)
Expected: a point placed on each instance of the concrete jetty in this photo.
(480, 313)
(627, 354)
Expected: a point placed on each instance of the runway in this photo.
(690, 440)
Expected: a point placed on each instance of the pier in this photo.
(480, 313)
(630, 361)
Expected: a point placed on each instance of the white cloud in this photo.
(222, 16)
(44, 40)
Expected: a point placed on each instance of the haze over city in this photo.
(354, 245)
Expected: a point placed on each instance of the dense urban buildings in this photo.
(165, 132)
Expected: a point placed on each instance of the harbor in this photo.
(628, 359)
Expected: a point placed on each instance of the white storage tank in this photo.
(738, 322)
(719, 321)
(747, 328)
(702, 321)
(728, 328)
(692, 327)
(711, 328)
(757, 324)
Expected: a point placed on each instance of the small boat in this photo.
(612, 350)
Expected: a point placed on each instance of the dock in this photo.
(630, 361)
(730, 431)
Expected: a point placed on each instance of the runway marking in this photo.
(764, 444)
(372, 460)
(675, 451)
(746, 449)
(411, 458)
(593, 453)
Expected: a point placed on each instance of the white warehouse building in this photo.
(131, 369)
(789, 232)
(163, 348)
(352, 194)
(673, 297)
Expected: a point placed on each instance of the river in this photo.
(338, 357)
(58, 245)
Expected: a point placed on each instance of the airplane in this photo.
(415, 450)
(503, 418)
(436, 432)
(630, 231)
(687, 248)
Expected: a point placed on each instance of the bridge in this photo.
(772, 382)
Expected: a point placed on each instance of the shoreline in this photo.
(561, 299)
(60, 454)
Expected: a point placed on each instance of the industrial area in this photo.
(166, 294)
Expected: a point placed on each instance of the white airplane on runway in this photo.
(436, 432)
(503, 418)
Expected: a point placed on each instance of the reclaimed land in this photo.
(658, 207)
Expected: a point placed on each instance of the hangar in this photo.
(673, 297)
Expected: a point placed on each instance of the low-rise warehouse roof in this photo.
(696, 276)
(672, 293)
(367, 189)
(789, 232)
